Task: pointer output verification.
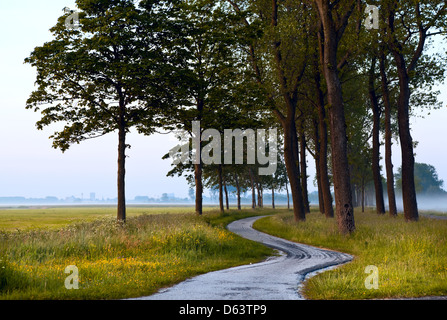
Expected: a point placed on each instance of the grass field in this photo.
(152, 250)
(411, 258)
(53, 217)
(160, 246)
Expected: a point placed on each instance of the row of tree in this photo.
(310, 68)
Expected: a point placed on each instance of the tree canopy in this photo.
(314, 70)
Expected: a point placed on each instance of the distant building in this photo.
(92, 196)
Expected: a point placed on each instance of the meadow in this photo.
(160, 246)
(155, 248)
(52, 217)
(411, 257)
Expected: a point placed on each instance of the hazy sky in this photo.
(30, 167)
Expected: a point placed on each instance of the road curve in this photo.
(277, 278)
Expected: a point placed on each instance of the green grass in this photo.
(53, 217)
(149, 252)
(411, 257)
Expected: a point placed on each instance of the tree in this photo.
(427, 181)
(238, 179)
(376, 110)
(276, 54)
(303, 160)
(407, 26)
(316, 96)
(386, 97)
(191, 194)
(205, 70)
(281, 177)
(164, 197)
(100, 78)
(334, 20)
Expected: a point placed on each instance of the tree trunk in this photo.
(380, 205)
(303, 163)
(320, 190)
(199, 187)
(317, 167)
(258, 187)
(288, 123)
(340, 164)
(406, 142)
(363, 194)
(322, 127)
(226, 194)
(324, 175)
(219, 173)
(262, 196)
(388, 138)
(273, 197)
(292, 166)
(253, 193)
(288, 199)
(355, 197)
(121, 210)
(342, 180)
(198, 165)
(238, 192)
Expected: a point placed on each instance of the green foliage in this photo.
(426, 179)
(99, 77)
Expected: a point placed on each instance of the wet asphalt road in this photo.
(277, 278)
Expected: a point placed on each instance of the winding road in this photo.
(277, 278)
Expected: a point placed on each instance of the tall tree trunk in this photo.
(259, 188)
(406, 141)
(363, 194)
(323, 143)
(388, 137)
(340, 164)
(219, 174)
(288, 123)
(355, 197)
(380, 205)
(273, 197)
(320, 190)
(121, 208)
(342, 180)
(292, 166)
(317, 166)
(226, 193)
(238, 191)
(288, 198)
(198, 165)
(199, 187)
(303, 163)
(253, 194)
(262, 196)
